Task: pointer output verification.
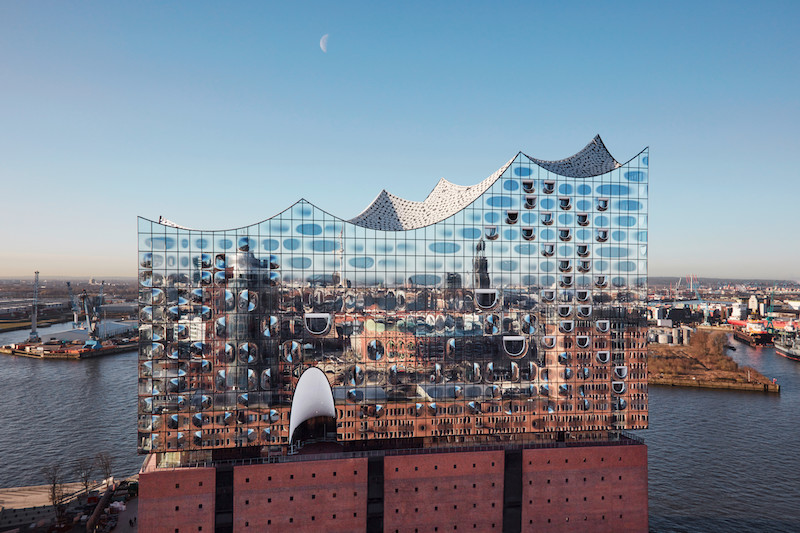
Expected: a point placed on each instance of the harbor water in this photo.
(719, 460)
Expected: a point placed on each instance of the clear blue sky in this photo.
(218, 115)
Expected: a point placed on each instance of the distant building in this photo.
(471, 361)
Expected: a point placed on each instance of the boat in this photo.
(787, 343)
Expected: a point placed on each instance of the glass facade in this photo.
(515, 309)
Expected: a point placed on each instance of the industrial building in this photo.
(471, 361)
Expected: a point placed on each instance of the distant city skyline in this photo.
(197, 112)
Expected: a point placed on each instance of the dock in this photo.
(77, 344)
(772, 388)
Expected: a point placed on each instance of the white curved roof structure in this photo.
(312, 398)
(392, 213)
(593, 160)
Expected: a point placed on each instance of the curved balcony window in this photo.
(528, 186)
(548, 250)
(601, 235)
(548, 295)
(563, 358)
(602, 204)
(486, 298)
(549, 187)
(248, 352)
(473, 408)
(528, 324)
(489, 376)
(266, 379)
(515, 346)
(375, 350)
(492, 325)
(271, 326)
(603, 357)
(584, 311)
(491, 232)
(619, 404)
(621, 372)
(583, 219)
(292, 352)
(318, 323)
(565, 234)
(219, 261)
(248, 300)
(530, 202)
(568, 373)
(583, 341)
(528, 234)
(566, 326)
(583, 250)
(356, 396)
(565, 265)
(437, 377)
(565, 203)
(602, 326)
(243, 399)
(512, 217)
(600, 281)
(473, 372)
(546, 218)
(228, 353)
(584, 265)
(618, 387)
(549, 341)
(544, 390)
(583, 296)
(564, 310)
(583, 373)
(564, 390)
(252, 379)
(567, 280)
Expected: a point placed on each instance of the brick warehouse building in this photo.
(468, 362)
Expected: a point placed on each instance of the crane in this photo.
(34, 337)
(73, 305)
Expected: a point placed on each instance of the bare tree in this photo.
(54, 477)
(84, 468)
(104, 463)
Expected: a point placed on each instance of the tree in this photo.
(54, 477)
(104, 463)
(84, 468)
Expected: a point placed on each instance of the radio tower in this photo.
(35, 336)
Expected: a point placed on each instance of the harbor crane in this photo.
(73, 305)
(34, 337)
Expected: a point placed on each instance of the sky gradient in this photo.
(221, 115)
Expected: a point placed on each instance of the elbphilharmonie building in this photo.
(509, 311)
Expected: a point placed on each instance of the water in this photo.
(57, 411)
(725, 460)
(719, 460)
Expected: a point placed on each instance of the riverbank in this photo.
(41, 322)
(704, 364)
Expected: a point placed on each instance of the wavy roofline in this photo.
(440, 192)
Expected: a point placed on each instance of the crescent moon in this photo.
(323, 43)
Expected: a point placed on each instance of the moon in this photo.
(323, 43)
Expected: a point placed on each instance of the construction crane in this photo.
(770, 312)
(73, 305)
(34, 335)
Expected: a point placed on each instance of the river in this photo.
(719, 460)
